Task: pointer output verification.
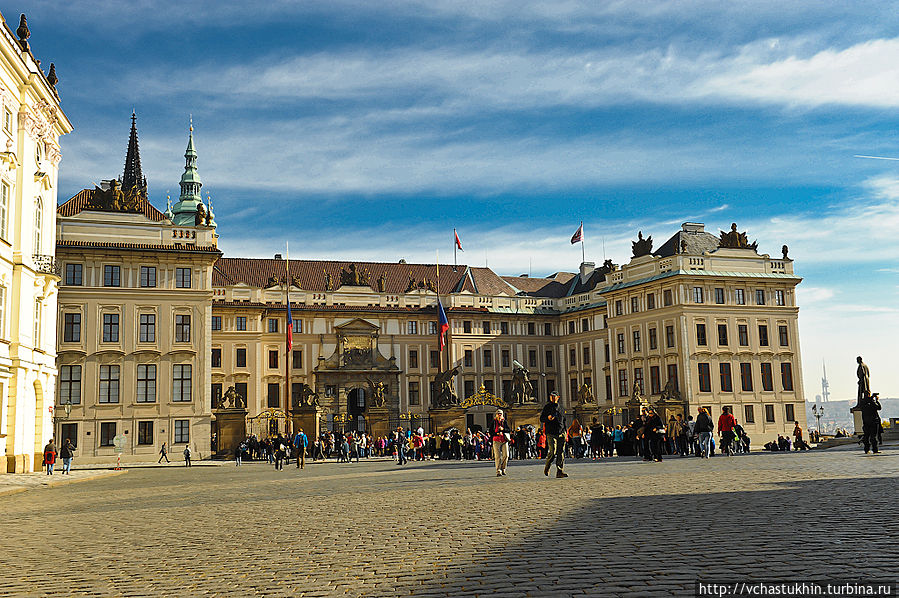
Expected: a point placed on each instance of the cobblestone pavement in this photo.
(614, 528)
(11, 483)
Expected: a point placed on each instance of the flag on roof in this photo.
(458, 242)
(578, 235)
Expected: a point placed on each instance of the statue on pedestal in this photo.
(446, 388)
(378, 392)
(522, 389)
(864, 380)
(585, 394)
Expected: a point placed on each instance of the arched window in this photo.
(38, 220)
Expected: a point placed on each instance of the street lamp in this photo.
(819, 413)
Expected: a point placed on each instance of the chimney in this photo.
(278, 256)
(587, 269)
(693, 227)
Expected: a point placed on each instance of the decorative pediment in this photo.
(357, 325)
(482, 397)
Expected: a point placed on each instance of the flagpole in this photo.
(439, 357)
(287, 396)
(583, 253)
(455, 246)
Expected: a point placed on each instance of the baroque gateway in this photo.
(161, 339)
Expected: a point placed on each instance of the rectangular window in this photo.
(146, 383)
(701, 339)
(722, 335)
(727, 383)
(636, 339)
(789, 412)
(109, 384)
(697, 294)
(70, 384)
(763, 335)
(74, 275)
(767, 378)
(182, 431)
(107, 433)
(296, 359)
(786, 375)
(504, 356)
(608, 357)
(273, 324)
(669, 336)
(571, 327)
(145, 432)
(411, 327)
(504, 328)
(240, 358)
(586, 352)
(746, 376)
(217, 357)
(70, 431)
(743, 334)
(549, 359)
(719, 295)
(273, 395)
(760, 296)
(4, 209)
(666, 297)
(638, 379)
(784, 337)
(653, 339)
(298, 327)
(620, 341)
(619, 308)
(432, 328)
(182, 328)
(585, 325)
(769, 414)
(273, 360)
(242, 390)
(435, 359)
(413, 359)
(110, 328)
(488, 386)
(71, 328)
(572, 357)
(622, 383)
(216, 393)
(147, 276)
(779, 297)
(635, 305)
(468, 359)
(216, 322)
(705, 377)
(655, 380)
(414, 396)
(551, 386)
(547, 329)
(672, 375)
(240, 323)
(532, 329)
(748, 414)
(112, 276)
(740, 296)
(488, 358)
(532, 358)
(181, 382)
(182, 278)
(466, 326)
(468, 387)
(651, 301)
(147, 328)
(485, 326)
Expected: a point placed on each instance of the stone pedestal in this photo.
(307, 418)
(450, 417)
(527, 414)
(585, 412)
(377, 421)
(231, 430)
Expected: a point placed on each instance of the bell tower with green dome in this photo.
(185, 211)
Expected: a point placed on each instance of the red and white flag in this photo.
(578, 236)
(458, 242)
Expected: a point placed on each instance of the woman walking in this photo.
(50, 456)
(704, 428)
(500, 433)
(66, 453)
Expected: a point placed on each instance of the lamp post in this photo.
(67, 409)
(819, 413)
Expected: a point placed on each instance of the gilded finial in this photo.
(52, 79)
(23, 32)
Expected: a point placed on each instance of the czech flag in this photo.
(578, 235)
(458, 242)
(442, 325)
(289, 328)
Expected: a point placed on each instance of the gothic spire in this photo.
(190, 199)
(133, 178)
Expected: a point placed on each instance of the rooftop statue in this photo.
(736, 240)
(641, 246)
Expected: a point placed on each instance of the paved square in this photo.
(615, 528)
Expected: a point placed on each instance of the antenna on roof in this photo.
(603, 248)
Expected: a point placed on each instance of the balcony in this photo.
(47, 264)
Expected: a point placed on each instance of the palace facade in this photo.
(32, 123)
(157, 326)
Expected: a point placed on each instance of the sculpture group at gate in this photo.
(522, 390)
(446, 389)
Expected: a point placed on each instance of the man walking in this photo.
(554, 424)
(726, 425)
(164, 454)
(300, 442)
(66, 454)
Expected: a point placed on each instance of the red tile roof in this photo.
(83, 201)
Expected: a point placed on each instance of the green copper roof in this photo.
(186, 209)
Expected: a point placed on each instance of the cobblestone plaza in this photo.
(614, 528)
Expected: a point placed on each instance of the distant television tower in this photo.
(825, 385)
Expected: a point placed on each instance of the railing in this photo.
(47, 264)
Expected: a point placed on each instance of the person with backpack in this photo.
(703, 428)
(50, 456)
(300, 442)
(187, 456)
(726, 426)
(66, 453)
(554, 425)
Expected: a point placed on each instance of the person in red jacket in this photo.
(726, 425)
(50, 456)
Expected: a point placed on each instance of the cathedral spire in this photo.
(133, 178)
(185, 210)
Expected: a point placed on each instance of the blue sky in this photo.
(365, 130)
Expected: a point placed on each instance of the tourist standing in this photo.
(66, 453)
(726, 425)
(704, 428)
(654, 430)
(300, 442)
(870, 405)
(500, 435)
(400, 442)
(554, 426)
(238, 454)
(50, 456)
(164, 453)
(187, 456)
